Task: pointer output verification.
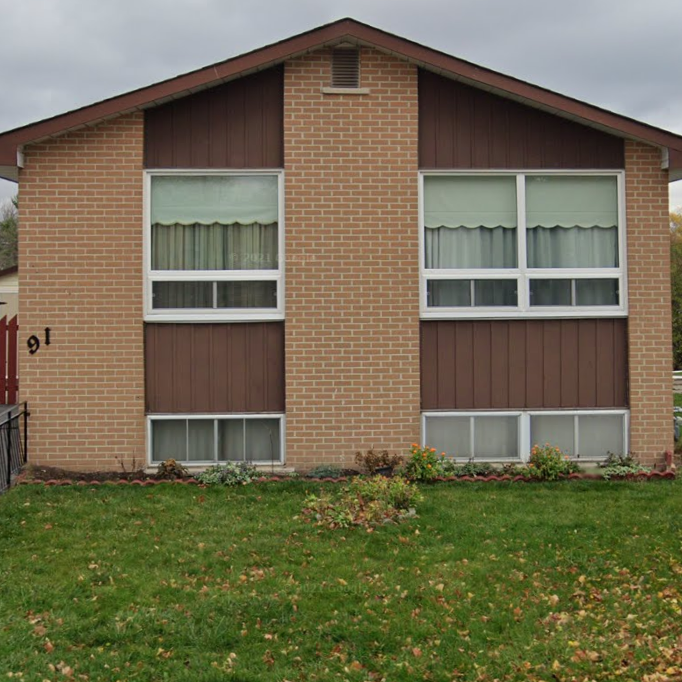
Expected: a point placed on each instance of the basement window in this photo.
(212, 439)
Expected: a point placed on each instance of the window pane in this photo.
(247, 295)
(470, 221)
(201, 446)
(596, 292)
(262, 440)
(214, 247)
(557, 430)
(182, 294)
(209, 199)
(169, 439)
(445, 292)
(572, 221)
(231, 440)
(496, 437)
(495, 292)
(600, 435)
(550, 292)
(449, 435)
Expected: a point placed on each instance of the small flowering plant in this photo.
(423, 464)
(548, 463)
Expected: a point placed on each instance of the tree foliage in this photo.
(9, 225)
(676, 282)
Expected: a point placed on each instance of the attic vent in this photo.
(346, 68)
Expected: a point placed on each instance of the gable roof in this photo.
(343, 31)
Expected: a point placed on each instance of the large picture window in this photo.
(522, 243)
(214, 246)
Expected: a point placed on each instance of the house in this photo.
(9, 291)
(339, 241)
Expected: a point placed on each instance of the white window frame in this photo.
(216, 418)
(524, 417)
(204, 314)
(523, 274)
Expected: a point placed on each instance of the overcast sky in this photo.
(623, 55)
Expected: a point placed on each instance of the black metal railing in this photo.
(13, 444)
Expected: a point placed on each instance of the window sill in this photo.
(202, 318)
(345, 91)
(563, 313)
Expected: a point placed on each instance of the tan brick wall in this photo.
(352, 273)
(649, 326)
(80, 249)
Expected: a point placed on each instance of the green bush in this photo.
(621, 466)
(325, 471)
(232, 473)
(451, 468)
(423, 464)
(364, 502)
(548, 463)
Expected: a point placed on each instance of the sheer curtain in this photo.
(470, 221)
(572, 221)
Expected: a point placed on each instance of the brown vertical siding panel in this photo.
(499, 365)
(605, 369)
(569, 363)
(551, 367)
(464, 364)
(471, 116)
(482, 365)
(214, 368)
(234, 125)
(275, 368)
(620, 361)
(447, 355)
(200, 131)
(524, 364)
(182, 134)
(255, 387)
(428, 360)
(587, 364)
(220, 367)
(535, 349)
(183, 379)
(517, 364)
(201, 393)
(237, 354)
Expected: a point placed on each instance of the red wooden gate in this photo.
(9, 369)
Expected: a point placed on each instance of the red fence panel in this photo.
(12, 361)
(9, 366)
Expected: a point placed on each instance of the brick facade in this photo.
(352, 268)
(81, 275)
(650, 322)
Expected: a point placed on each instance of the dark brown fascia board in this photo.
(329, 34)
(9, 271)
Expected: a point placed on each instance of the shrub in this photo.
(621, 466)
(325, 471)
(451, 468)
(232, 473)
(423, 464)
(364, 502)
(372, 460)
(548, 463)
(169, 470)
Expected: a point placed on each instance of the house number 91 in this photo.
(33, 342)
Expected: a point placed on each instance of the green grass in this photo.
(678, 399)
(493, 581)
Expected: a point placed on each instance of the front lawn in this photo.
(564, 581)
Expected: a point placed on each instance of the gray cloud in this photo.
(623, 55)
